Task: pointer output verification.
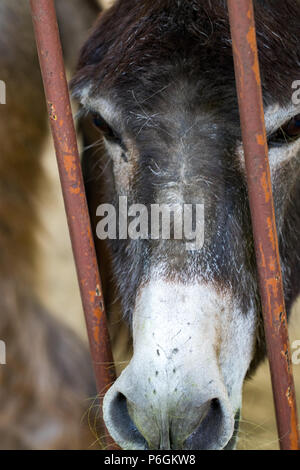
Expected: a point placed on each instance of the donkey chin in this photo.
(183, 386)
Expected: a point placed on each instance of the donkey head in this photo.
(158, 77)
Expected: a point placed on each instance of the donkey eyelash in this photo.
(287, 133)
(108, 132)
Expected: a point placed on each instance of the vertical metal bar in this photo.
(64, 136)
(248, 79)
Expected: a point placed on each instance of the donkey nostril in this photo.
(215, 404)
(215, 428)
(212, 422)
(120, 424)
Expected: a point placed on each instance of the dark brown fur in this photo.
(136, 49)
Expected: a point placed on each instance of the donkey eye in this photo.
(289, 132)
(106, 130)
(292, 128)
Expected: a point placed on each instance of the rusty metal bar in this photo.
(64, 136)
(242, 21)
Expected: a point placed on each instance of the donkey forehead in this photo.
(182, 100)
(175, 136)
(162, 39)
(174, 97)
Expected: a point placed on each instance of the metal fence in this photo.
(247, 71)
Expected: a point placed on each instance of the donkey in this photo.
(157, 79)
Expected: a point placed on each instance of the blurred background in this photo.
(59, 292)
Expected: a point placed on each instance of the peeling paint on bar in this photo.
(248, 80)
(64, 136)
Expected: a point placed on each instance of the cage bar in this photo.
(247, 71)
(64, 137)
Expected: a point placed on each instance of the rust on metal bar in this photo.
(64, 136)
(243, 32)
